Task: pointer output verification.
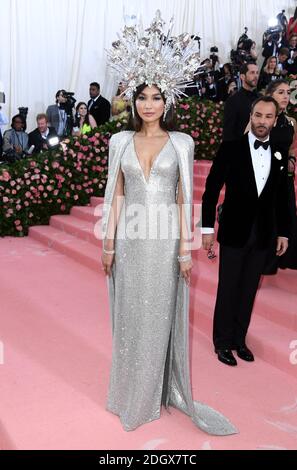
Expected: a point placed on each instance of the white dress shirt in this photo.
(261, 160)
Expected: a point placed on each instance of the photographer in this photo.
(60, 115)
(272, 44)
(245, 51)
(214, 58)
(15, 140)
(223, 82)
(274, 39)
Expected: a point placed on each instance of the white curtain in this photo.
(52, 44)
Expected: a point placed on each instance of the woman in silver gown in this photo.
(146, 225)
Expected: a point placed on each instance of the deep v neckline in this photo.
(147, 180)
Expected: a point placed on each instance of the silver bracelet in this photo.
(184, 259)
(106, 252)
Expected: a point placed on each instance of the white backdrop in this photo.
(53, 44)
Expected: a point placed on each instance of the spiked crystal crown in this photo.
(153, 57)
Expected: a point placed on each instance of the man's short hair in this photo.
(96, 84)
(265, 99)
(284, 51)
(244, 68)
(41, 116)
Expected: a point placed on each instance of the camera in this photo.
(24, 113)
(274, 33)
(70, 100)
(242, 54)
(214, 55)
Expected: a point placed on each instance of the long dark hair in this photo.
(77, 117)
(295, 14)
(135, 123)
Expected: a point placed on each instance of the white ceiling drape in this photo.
(51, 44)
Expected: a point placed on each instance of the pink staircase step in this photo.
(79, 250)
(269, 341)
(271, 303)
(96, 201)
(85, 213)
(199, 180)
(77, 227)
(285, 279)
(202, 167)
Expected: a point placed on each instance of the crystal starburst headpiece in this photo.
(153, 57)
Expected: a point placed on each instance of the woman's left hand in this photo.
(186, 270)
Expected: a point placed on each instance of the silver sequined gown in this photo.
(146, 277)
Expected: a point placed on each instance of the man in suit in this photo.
(56, 114)
(238, 106)
(98, 106)
(40, 136)
(255, 207)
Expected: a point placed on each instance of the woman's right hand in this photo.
(107, 262)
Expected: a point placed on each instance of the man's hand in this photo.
(282, 246)
(207, 241)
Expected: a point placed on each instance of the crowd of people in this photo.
(59, 121)
(217, 82)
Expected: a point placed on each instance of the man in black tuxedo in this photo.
(41, 135)
(238, 106)
(98, 106)
(256, 202)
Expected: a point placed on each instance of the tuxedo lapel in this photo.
(250, 174)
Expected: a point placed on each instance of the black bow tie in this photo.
(259, 143)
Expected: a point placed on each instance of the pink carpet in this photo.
(55, 333)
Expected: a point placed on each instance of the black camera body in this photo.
(274, 33)
(68, 107)
(69, 96)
